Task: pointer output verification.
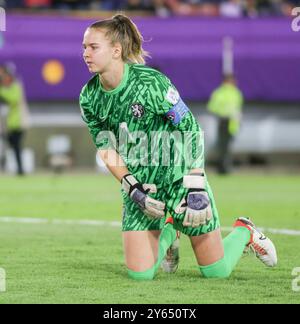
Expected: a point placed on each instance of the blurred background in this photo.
(194, 42)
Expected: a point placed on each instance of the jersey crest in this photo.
(138, 110)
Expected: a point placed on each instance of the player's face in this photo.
(98, 51)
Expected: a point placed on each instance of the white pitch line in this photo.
(26, 220)
(8, 219)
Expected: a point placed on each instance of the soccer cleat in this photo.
(171, 260)
(261, 245)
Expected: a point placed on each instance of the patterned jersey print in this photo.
(146, 122)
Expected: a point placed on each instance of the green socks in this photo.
(143, 275)
(167, 237)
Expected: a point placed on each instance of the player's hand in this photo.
(198, 209)
(138, 192)
(196, 206)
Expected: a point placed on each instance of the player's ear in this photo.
(117, 51)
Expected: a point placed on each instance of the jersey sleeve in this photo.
(166, 101)
(101, 136)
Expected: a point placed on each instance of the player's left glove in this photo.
(139, 193)
(196, 205)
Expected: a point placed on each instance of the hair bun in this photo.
(120, 18)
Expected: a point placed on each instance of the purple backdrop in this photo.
(188, 50)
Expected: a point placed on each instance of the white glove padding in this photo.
(138, 192)
(198, 210)
(196, 205)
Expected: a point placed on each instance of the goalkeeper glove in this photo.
(139, 194)
(196, 205)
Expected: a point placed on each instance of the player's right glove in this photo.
(196, 205)
(138, 192)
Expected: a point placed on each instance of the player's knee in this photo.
(219, 269)
(141, 275)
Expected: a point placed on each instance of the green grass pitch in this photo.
(75, 263)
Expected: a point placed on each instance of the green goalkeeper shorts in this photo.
(135, 220)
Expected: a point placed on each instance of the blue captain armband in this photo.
(177, 112)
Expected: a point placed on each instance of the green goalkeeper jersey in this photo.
(146, 122)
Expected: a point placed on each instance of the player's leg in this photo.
(173, 197)
(170, 260)
(202, 246)
(140, 249)
(216, 257)
(216, 261)
(145, 242)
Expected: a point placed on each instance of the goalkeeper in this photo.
(123, 105)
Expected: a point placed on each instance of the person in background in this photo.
(12, 95)
(226, 103)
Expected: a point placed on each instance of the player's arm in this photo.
(137, 191)
(170, 106)
(106, 143)
(196, 205)
(114, 163)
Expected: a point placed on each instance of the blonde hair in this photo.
(121, 29)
